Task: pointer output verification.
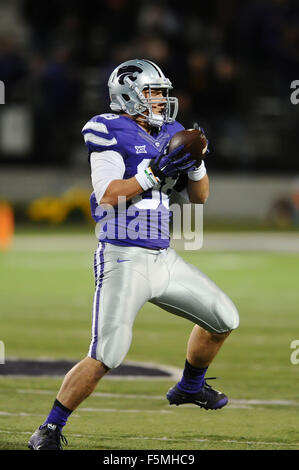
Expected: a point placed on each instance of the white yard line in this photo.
(54, 243)
(117, 410)
(233, 403)
(220, 241)
(235, 441)
(247, 241)
(169, 439)
(7, 413)
(90, 410)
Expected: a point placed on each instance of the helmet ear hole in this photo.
(126, 97)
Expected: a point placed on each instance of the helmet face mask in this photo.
(127, 84)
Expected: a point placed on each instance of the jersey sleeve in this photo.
(99, 135)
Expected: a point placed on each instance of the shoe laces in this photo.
(57, 435)
(208, 386)
(210, 378)
(63, 439)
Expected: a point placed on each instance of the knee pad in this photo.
(114, 345)
(227, 313)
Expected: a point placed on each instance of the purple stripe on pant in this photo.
(98, 292)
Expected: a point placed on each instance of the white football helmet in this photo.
(126, 84)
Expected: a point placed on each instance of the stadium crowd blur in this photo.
(231, 64)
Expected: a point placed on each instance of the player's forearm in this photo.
(198, 191)
(128, 188)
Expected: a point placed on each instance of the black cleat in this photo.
(47, 438)
(206, 398)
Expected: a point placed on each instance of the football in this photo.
(194, 141)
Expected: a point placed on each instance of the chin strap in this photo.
(155, 120)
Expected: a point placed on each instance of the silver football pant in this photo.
(127, 277)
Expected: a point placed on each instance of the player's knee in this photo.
(227, 314)
(115, 346)
(113, 362)
(219, 337)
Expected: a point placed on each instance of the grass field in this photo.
(46, 299)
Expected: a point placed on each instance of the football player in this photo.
(133, 175)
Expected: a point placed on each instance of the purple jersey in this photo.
(144, 220)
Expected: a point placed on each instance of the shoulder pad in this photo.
(99, 133)
(175, 126)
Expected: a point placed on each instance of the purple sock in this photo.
(58, 415)
(193, 378)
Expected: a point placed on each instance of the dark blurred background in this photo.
(231, 64)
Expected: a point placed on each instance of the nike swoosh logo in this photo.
(122, 260)
(201, 402)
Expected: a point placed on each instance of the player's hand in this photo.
(172, 164)
(196, 126)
